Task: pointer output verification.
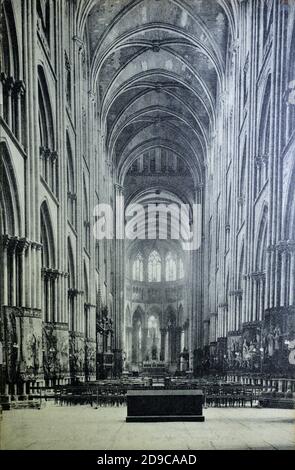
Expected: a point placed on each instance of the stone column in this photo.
(5, 242)
(48, 304)
(19, 90)
(292, 278)
(178, 331)
(53, 171)
(267, 279)
(12, 251)
(167, 356)
(244, 306)
(283, 277)
(144, 343)
(163, 332)
(46, 157)
(128, 345)
(119, 276)
(182, 340)
(8, 87)
(22, 248)
(38, 284)
(256, 297)
(262, 297)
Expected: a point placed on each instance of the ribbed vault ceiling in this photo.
(157, 66)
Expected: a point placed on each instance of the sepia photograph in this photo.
(147, 229)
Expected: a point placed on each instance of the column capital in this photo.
(285, 246)
(5, 240)
(271, 248)
(258, 275)
(12, 244)
(36, 245)
(258, 160)
(80, 43)
(19, 88)
(265, 158)
(119, 187)
(45, 152)
(72, 292)
(235, 45)
(92, 95)
(236, 293)
(23, 244)
(8, 82)
(54, 155)
(223, 305)
(50, 273)
(199, 187)
(67, 62)
(72, 196)
(241, 200)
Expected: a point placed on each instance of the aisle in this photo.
(81, 427)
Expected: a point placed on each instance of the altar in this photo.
(154, 368)
(164, 405)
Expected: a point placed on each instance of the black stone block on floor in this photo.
(164, 405)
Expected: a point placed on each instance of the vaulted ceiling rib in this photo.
(158, 76)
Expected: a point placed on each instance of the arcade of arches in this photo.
(109, 98)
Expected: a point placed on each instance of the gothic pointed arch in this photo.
(242, 184)
(171, 267)
(46, 126)
(290, 111)
(10, 49)
(128, 318)
(71, 183)
(181, 273)
(137, 353)
(287, 249)
(289, 212)
(12, 84)
(48, 260)
(154, 267)
(48, 155)
(71, 286)
(262, 159)
(47, 238)
(44, 13)
(137, 267)
(9, 195)
(181, 318)
(86, 215)
(238, 319)
(261, 241)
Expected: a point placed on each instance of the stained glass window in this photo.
(154, 267)
(137, 273)
(170, 267)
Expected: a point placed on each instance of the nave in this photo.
(110, 101)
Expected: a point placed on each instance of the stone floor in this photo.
(81, 427)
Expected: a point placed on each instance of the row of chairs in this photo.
(92, 400)
(222, 394)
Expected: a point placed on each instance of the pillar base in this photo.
(5, 399)
(118, 362)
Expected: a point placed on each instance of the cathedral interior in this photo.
(150, 102)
